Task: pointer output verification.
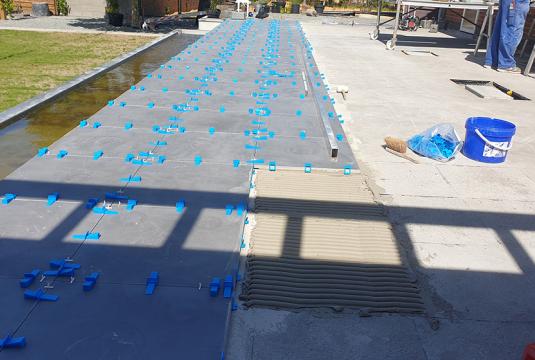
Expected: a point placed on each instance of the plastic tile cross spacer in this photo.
(235, 163)
(152, 282)
(12, 342)
(97, 125)
(128, 125)
(39, 295)
(339, 137)
(347, 170)
(83, 123)
(87, 236)
(308, 168)
(8, 198)
(61, 154)
(29, 278)
(129, 157)
(211, 131)
(228, 209)
(180, 205)
(198, 160)
(161, 159)
(272, 166)
(228, 286)
(52, 198)
(215, 284)
(90, 281)
(131, 204)
(91, 203)
(42, 152)
(98, 154)
(303, 134)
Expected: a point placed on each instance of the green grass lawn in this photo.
(33, 62)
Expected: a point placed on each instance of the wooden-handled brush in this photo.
(398, 147)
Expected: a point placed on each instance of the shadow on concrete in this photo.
(501, 289)
(456, 40)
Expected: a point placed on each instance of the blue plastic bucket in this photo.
(488, 140)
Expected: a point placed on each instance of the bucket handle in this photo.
(506, 148)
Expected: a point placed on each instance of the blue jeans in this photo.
(507, 33)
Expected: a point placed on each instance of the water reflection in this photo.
(41, 127)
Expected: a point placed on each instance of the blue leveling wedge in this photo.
(131, 204)
(104, 211)
(90, 281)
(12, 342)
(116, 196)
(152, 282)
(42, 152)
(215, 284)
(228, 286)
(240, 209)
(52, 198)
(29, 278)
(98, 154)
(91, 203)
(8, 198)
(61, 154)
(141, 162)
(87, 236)
(131, 178)
(39, 295)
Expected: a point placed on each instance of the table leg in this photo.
(530, 61)
(391, 44)
(481, 32)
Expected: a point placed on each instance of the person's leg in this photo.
(491, 57)
(512, 34)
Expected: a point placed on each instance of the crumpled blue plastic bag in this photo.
(439, 142)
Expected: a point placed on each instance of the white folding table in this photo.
(486, 28)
